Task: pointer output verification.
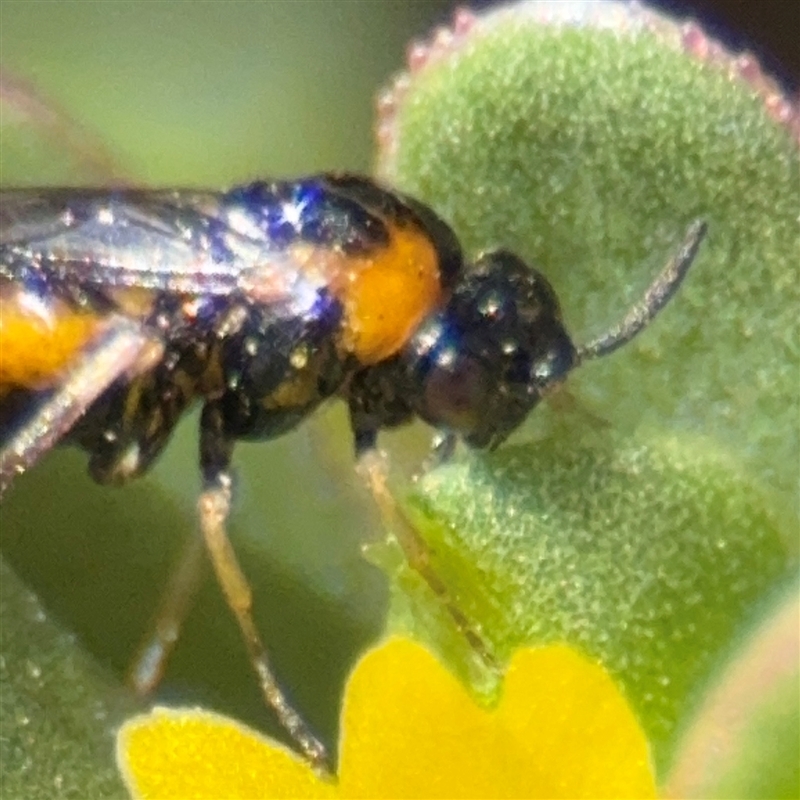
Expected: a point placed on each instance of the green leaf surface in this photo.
(643, 523)
(588, 150)
(645, 555)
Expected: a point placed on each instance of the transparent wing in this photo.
(173, 241)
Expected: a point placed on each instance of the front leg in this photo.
(216, 448)
(373, 467)
(443, 447)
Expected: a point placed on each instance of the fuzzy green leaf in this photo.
(588, 151)
(642, 526)
(645, 555)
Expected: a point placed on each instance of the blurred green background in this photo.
(207, 94)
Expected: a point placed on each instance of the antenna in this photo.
(658, 294)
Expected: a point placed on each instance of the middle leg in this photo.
(214, 507)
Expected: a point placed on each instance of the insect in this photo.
(121, 309)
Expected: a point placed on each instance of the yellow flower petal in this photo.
(561, 730)
(409, 729)
(190, 753)
(577, 726)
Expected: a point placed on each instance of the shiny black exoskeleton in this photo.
(253, 296)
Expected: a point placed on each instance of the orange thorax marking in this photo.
(385, 293)
(39, 339)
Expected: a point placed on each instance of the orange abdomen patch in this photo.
(39, 339)
(387, 293)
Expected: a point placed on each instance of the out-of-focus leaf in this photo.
(58, 709)
(744, 740)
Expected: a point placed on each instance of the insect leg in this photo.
(372, 466)
(443, 446)
(120, 347)
(214, 507)
(150, 662)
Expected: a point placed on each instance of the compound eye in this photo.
(456, 395)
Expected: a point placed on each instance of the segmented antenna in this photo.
(658, 294)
